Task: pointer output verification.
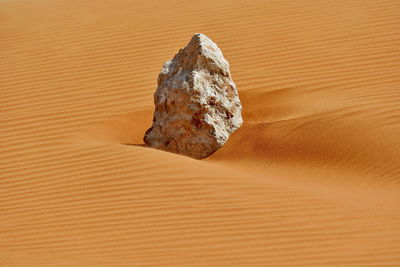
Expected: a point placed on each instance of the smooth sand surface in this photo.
(312, 178)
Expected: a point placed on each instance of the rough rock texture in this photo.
(197, 105)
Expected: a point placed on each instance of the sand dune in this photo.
(312, 178)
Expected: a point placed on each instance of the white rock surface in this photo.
(197, 106)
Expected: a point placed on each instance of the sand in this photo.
(311, 179)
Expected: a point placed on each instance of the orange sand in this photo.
(312, 178)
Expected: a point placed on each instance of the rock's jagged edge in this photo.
(197, 105)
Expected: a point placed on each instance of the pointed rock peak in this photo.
(202, 53)
(202, 41)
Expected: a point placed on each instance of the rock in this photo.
(197, 106)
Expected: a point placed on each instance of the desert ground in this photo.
(312, 178)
